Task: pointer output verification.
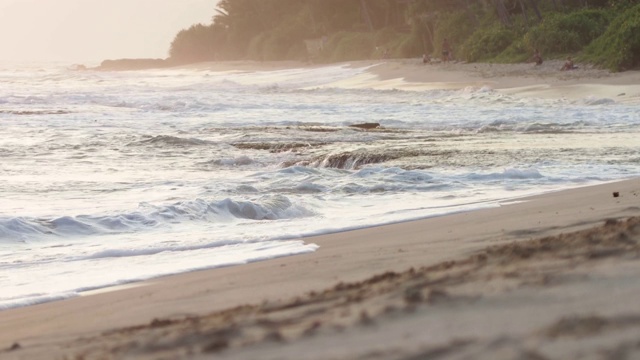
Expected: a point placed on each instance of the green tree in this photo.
(354, 29)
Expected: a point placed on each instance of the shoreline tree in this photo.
(480, 30)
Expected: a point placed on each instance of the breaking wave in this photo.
(513, 174)
(174, 141)
(352, 160)
(275, 207)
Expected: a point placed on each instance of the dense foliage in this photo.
(619, 47)
(478, 30)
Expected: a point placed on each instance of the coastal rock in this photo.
(366, 126)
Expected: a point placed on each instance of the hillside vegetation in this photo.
(602, 32)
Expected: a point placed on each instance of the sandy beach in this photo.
(555, 276)
(523, 79)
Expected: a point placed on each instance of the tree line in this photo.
(479, 30)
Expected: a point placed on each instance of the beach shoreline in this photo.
(62, 328)
(522, 79)
(545, 81)
(358, 288)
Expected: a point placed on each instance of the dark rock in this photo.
(366, 126)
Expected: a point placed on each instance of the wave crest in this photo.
(167, 140)
(20, 229)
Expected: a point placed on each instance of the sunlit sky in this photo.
(94, 30)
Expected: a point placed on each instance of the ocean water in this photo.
(108, 178)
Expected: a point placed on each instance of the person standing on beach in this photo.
(446, 50)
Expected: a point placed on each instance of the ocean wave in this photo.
(237, 161)
(548, 128)
(246, 189)
(394, 173)
(278, 147)
(298, 170)
(476, 90)
(117, 253)
(274, 208)
(36, 112)
(512, 174)
(353, 160)
(33, 299)
(29, 101)
(598, 101)
(353, 188)
(269, 208)
(167, 140)
(20, 229)
(526, 126)
(303, 188)
(329, 181)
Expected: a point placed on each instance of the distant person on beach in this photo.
(446, 51)
(537, 58)
(568, 65)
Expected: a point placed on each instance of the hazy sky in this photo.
(94, 30)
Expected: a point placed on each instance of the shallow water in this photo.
(112, 177)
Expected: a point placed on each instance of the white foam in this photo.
(95, 273)
(152, 217)
(521, 174)
(592, 100)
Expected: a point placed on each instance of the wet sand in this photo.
(554, 276)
